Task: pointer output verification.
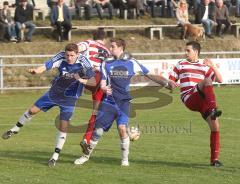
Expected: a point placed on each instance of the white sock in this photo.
(25, 117)
(93, 144)
(125, 144)
(60, 140)
(55, 156)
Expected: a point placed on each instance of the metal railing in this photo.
(215, 54)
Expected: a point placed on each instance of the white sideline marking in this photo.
(234, 119)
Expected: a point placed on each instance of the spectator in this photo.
(141, 9)
(51, 3)
(170, 8)
(153, 3)
(194, 4)
(228, 4)
(2, 31)
(222, 17)
(23, 18)
(86, 4)
(206, 15)
(102, 4)
(119, 4)
(7, 21)
(128, 5)
(61, 19)
(17, 3)
(237, 14)
(182, 13)
(161, 4)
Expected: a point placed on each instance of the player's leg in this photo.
(97, 96)
(65, 116)
(210, 113)
(122, 123)
(205, 90)
(124, 144)
(104, 120)
(200, 102)
(196, 102)
(43, 103)
(88, 134)
(214, 141)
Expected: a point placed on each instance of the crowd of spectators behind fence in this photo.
(209, 13)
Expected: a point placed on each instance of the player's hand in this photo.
(171, 85)
(208, 62)
(108, 90)
(76, 76)
(32, 71)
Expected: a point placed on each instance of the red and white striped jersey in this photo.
(95, 52)
(190, 74)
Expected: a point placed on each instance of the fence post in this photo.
(1, 74)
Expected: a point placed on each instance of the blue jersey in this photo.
(118, 74)
(65, 87)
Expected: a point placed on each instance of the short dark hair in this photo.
(99, 34)
(195, 45)
(71, 47)
(5, 3)
(120, 42)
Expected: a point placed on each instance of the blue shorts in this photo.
(108, 112)
(45, 103)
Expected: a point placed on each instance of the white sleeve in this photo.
(138, 68)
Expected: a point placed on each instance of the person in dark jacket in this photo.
(23, 18)
(17, 2)
(61, 19)
(6, 21)
(206, 15)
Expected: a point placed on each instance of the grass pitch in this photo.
(173, 148)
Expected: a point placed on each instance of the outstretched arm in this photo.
(88, 82)
(209, 63)
(37, 70)
(169, 84)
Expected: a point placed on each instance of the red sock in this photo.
(215, 145)
(210, 96)
(89, 131)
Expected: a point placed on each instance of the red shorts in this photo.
(97, 92)
(195, 102)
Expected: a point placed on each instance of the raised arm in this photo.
(218, 76)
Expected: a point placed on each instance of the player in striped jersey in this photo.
(96, 51)
(75, 71)
(196, 78)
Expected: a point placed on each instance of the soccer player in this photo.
(196, 78)
(75, 71)
(116, 76)
(96, 51)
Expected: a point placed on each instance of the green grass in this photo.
(159, 156)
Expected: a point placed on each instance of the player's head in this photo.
(60, 1)
(117, 47)
(192, 50)
(71, 52)
(5, 4)
(23, 2)
(99, 34)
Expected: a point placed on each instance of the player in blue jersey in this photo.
(75, 71)
(116, 76)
